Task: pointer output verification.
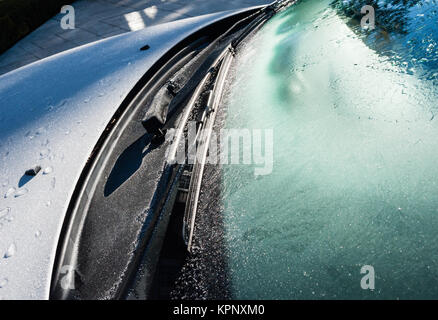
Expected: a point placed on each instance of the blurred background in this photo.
(31, 29)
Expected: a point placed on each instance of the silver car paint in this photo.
(52, 114)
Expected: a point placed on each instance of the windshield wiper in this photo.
(213, 84)
(170, 98)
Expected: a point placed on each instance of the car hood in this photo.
(53, 113)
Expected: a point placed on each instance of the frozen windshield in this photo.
(355, 162)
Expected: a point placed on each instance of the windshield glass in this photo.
(354, 181)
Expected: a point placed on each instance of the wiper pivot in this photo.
(156, 116)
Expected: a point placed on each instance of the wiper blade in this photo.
(209, 78)
(202, 145)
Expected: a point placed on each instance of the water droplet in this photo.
(45, 143)
(87, 100)
(21, 192)
(44, 153)
(62, 103)
(3, 282)
(48, 203)
(11, 251)
(37, 234)
(9, 192)
(48, 170)
(40, 131)
(4, 212)
(29, 135)
(67, 132)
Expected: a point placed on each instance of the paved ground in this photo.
(98, 19)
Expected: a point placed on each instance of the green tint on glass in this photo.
(355, 178)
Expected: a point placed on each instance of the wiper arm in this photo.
(156, 117)
(210, 77)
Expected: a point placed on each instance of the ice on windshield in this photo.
(355, 177)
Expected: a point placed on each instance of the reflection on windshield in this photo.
(406, 32)
(355, 178)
